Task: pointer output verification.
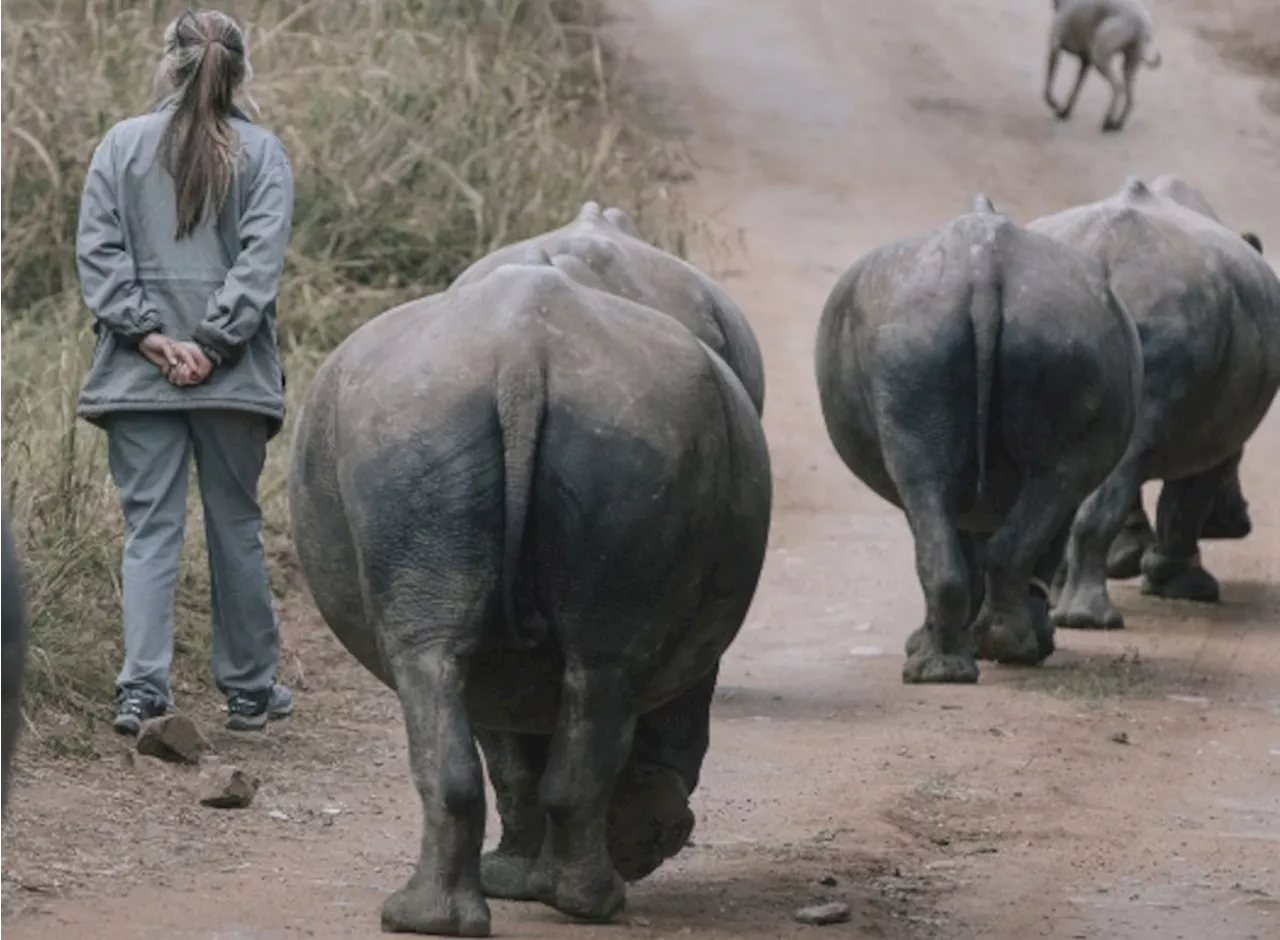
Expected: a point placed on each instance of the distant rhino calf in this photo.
(536, 508)
(1229, 514)
(982, 378)
(650, 820)
(1207, 306)
(14, 641)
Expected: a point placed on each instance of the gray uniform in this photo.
(217, 287)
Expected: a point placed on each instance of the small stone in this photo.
(640, 922)
(1120, 737)
(229, 788)
(278, 815)
(173, 738)
(820, 915)
(828, 881)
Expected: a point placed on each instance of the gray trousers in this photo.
(150, 456)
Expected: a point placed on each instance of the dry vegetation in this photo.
(423, 133)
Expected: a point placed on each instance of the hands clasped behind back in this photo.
(183, 363)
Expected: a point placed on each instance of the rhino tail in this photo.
(521, 405)
(984, 314)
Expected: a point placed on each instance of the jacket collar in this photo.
(170, 102)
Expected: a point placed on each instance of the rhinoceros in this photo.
(1207, 306)
(983, 379)
(604, 249)
(14, 642)
(1229, 514)
(650, 819)
(533, 507)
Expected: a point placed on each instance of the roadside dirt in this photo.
(1129, 789)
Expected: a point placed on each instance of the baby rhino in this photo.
(985, 380)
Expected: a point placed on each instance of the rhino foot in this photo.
(1017, 640)
(1178, 579)
(916, 641)
(928, 665)
(1124, 559)
(649, 819)
(420, 907)
(506, 875)
(586, 892)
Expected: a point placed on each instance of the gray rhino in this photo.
(982, 378)
(1229, 514)
(650, 820)
(537, 508)
(1207, 306)
(604, 249)
(14, 643)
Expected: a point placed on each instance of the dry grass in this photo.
(423, 134)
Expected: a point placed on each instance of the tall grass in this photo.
(423, 133)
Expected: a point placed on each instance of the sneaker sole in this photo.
(129, 725)
(247, 723)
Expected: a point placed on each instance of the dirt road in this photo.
(1129, 790)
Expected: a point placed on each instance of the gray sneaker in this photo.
(250, 711)
(133, 707)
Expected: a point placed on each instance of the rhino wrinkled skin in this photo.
(538, 511)
(1207, 306)
(983, 379)
(13, 649)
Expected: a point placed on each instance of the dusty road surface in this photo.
(1129, 789)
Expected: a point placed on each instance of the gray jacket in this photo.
(217, 287)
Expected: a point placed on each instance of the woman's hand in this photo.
(182, 363)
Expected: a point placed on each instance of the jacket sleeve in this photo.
(106, 271)
(236, 309)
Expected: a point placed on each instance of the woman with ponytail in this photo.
(184, 220)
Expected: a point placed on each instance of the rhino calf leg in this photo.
(1171, 567)
(1012, 626)
(1124, 557)
(1229, 514)
(443, 896)
(589, 748)
(941, 651)
(1084, 602)
(516, 763)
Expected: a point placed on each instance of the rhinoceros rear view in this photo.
(534, 508)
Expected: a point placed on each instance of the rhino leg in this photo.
(1011, 627)
(429, 663)
(973, 546)
(1229, 514)
(1171, 567)
(1083, 602)
(516, 763)
(1124, 558)
(649, 817)
(590, 746)
(942, 651)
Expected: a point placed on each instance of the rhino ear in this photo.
(621, 220)
(1253, 240)
(983, 204)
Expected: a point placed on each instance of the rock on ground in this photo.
(229, 788)
(173, 738)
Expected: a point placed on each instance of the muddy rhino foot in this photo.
(1013, 639)
(506, 875)
(928, 664)
(1124, 559)
(590, 894)
(1178, 579)
(1086, 609)
(419, 908)
(649, 819)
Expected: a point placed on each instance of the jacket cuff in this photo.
(143, 326)
(214, 345)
